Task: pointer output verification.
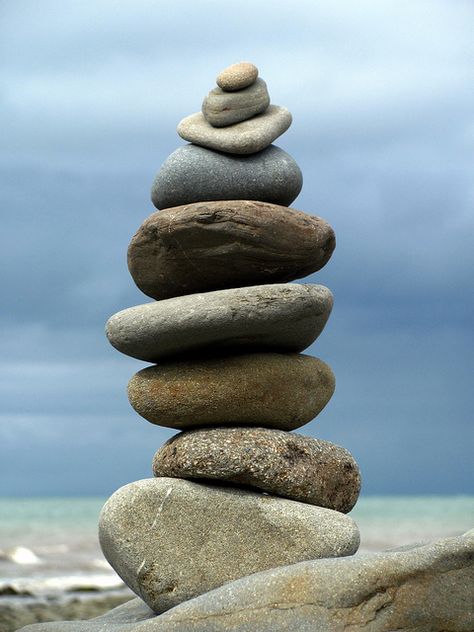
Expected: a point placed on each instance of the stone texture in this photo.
(427, 588)
(222, 108)
(247, 137)
(216, 245)
(237, 76)
(196, 174)
(171, 540)
(281, 463)
(274, 390)
(282, 316)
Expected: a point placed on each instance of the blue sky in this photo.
(383, 130)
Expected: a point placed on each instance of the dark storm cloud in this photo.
(90, 95)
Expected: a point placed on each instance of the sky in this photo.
(383, 130)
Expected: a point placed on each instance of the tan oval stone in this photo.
(274, 390)
(227, 108)
(281, 463)
(193, 248)
(237, 76)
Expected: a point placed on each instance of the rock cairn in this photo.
(235, 492)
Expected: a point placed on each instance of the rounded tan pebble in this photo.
(237, 76)
(274, 390)
(283, 463)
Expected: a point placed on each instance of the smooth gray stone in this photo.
(222, 108)
(280, 316)
(196, 174)
(424, 589)
(171, 539)
(274, 461)
(224, 244)
(246, 137)
(237, 76)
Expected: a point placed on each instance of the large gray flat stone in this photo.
(427, 588)
(223, 244)
(280, 316)
(281, 463)
(260, 389)
(197, 174)
(246, 137)
(171, 539)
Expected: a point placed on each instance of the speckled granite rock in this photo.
(427, 588)
(276, 390)
(171, 540)
(237, 76)
(247, 137)
(216, 245)
(222, 108)
(281, 463)
(282, 316)
(195, 174)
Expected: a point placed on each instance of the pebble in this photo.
(221, 108)
(196, 174)
(171, 540)
(247, 137)
(193, 248)
(283, 316)
(281, 463)
(237, 76)
(274, 390)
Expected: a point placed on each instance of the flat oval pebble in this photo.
(171, 540)
(281, 463)
(274, 390)
(221, 108)
(196, 174)
(246, 137)
(237, 76)
(224, 244)
(283, 316)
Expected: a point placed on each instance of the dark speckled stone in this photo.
(282, 463)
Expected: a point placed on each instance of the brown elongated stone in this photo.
(274, 390)
(224, 244)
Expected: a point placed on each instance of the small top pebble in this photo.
(237, 76)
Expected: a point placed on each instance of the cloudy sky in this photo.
(383, 130)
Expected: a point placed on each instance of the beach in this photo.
(52, 568)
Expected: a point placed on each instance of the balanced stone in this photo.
(247, 137)
(224, 244)
(171, 540)
(222, 108)
(196, 174)
(283, 316)
(281, 463)
(274, 390)
(237, 76)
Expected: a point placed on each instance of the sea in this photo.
(49, 546)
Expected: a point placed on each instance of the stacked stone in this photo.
(225, 335)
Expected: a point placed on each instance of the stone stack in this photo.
(236, 492)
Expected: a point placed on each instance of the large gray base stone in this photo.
(426, 588)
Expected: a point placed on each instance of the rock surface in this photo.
(171, 540)
(281, 463)
(427, 588)
(281, 316)
(215, 245)
(222, 108)
(282, 391)
(237, 76)
(247, 137)
(196, 174)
